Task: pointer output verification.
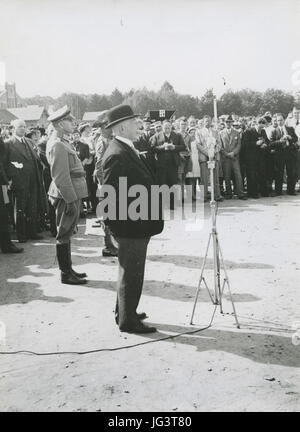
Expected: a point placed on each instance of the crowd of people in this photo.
(254, 157)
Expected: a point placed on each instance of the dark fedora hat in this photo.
(118, 114)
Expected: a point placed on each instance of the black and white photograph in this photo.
(149, 209)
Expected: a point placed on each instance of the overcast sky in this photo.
(89, 46)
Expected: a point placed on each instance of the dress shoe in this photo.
(12, 249)
(108, 253)
(36, 237)
(243, 197)
(291, 193)
(138, 328)
(220, 199)
(140, 316)
(22, 240)
(79, 275)
(71, 279)
(254, 196)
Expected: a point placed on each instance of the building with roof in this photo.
(33, 115)
(91, 116)
(6, 117)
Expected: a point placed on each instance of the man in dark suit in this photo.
(27, 183)
(124, 169)
(6, 244)
(256, 152)
(167, 145)
(284, 142)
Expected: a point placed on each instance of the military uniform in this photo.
(68, 186)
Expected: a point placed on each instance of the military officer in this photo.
(66, 190)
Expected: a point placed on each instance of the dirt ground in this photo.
(255, 368)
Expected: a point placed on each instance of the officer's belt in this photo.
(77, 174)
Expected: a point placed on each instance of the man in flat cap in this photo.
(66, 191)
(123, 167)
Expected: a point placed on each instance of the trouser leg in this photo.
(279, 171)
(20, 214)
(204, 177)
(227, 170)
(132, 257)
(291, 165)
(237, 176)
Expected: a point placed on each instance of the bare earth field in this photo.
(222, 368)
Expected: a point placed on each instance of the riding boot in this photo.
(79, 275)
(64, 263)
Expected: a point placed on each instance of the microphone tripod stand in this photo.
(218, 260)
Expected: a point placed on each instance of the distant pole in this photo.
(215, 110)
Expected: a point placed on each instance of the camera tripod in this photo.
(218, 260)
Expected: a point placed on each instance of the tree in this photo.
(206, 103)
(116, 98)
(277, 101)
(230, 102)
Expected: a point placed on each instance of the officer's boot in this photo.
(79, 275)
(64, 263)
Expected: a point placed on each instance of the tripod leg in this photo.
(228, 284)
(201, 278)
(218, 270)
(212, 300)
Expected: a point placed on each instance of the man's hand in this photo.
(71, 209)
(230, 155)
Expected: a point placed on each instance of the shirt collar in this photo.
(125, 141)
(20, 139)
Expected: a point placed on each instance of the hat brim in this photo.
(121, 120)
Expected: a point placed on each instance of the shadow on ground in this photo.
(261, 348)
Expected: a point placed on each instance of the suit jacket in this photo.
(251, 152)
(68, 175)
(167, 157)
(143, 145)
(23, 155)
(121, 161)
(101, 146)
(28, 159)
(230, 142)
(202, 146)
(278, 146)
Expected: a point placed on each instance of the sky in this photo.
(53, 46)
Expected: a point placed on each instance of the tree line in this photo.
(245, 102)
